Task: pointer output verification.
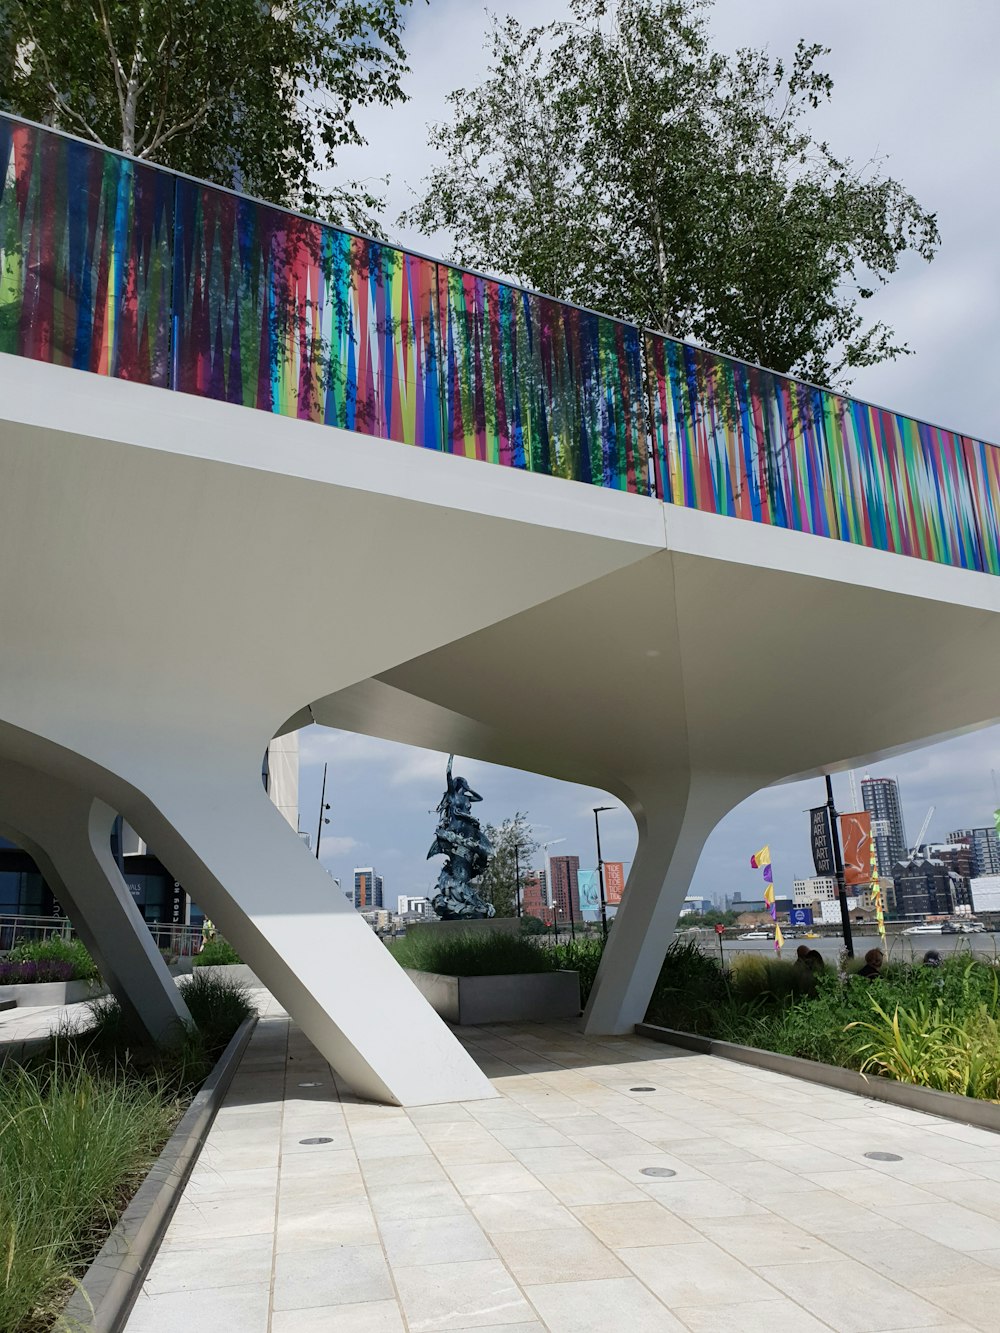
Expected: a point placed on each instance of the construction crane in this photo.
(920, 836)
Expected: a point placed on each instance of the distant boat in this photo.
(924, 930)
(755, 935)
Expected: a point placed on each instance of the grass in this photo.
(473, 953)
(937, 1027)
(80, 1127)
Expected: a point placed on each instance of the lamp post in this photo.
(322, 817)
(598, 810)
(517, 880)
(548, 865)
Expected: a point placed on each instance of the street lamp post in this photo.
(598, 810)
(322, 816)
(517, 880)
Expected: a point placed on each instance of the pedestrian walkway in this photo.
(615, 1184)
(22, 1029)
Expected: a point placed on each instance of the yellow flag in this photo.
(779, 939)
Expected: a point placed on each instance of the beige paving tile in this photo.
(948, 1224)
(976, 1304)
(773, 1316)
(429, 1240)
(911, 1259)
(701, 1274)
(870, 1188)
(492, 1178)
(330, 1275)
(487, 1149)
(453, 1296)
(602, 1306)
(436, 1198)
(371, 1317)
(400, 1170)
(822, 1211)
(234, 1261)
(592, 1182)
(701, 1198)
(202, 1310)
(756, 1178)
(850, 1297)
(982, 1196)
(225, 1215)
(569, 1255)
(319, 1222)
(623, 1224)
(522, 1210)
(767, 1239)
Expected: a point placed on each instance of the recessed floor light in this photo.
(657, 1171)
(312, 1141)
(310, 1085)
(883, 1156)
(642, 1089)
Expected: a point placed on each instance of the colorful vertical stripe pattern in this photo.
(123, 269)
(85, 256)
(733, 439)
(533, 383)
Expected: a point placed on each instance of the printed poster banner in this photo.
(614, 882)
(821, 838)
(855, 838)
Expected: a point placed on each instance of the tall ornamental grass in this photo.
(73, 1146)
(472, 953)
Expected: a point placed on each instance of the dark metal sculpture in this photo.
(459, 838)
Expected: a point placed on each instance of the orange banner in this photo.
(614, 882)
(855, 837)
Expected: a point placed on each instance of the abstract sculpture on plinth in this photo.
(459, 838)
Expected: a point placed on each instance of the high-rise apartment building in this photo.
(881, 800)
(534, 899)
(367, 889)
(984, 845)
(565, 872)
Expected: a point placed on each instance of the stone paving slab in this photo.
(536, 1212)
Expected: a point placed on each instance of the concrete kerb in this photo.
(110, 1287)
(946, 1105)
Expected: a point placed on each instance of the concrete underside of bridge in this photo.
(180, 579)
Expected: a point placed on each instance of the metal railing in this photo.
(176, 942)
(131, 270)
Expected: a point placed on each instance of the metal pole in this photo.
(600, 869)
(569, 900)
(838, 864)
(322, 807)
(517, 880)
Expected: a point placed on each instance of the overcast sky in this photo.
(914, 81)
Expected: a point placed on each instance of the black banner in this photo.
(821, 837)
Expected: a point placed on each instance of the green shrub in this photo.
(218, 952)
(73, 1144)
(532, 925)
(55, 949)
(472, 953)
(690, 991)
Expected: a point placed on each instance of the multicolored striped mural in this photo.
(123, 269)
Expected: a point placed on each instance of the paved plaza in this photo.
(616, 1184)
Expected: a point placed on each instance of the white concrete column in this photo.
(68, 833)
(243, 864)
(674, 823)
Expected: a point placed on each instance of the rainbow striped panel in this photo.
(983, 470)
(532, 383)
(730, 438)
(85, 256)
(290, 316)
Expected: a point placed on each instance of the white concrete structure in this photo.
(407, 905)
(677, 659)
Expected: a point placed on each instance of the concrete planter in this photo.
(522, 997)
(35, 994)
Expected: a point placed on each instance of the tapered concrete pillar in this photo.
(674, 823)
(68, 833)
(242, 863)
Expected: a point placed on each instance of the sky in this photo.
(914, 82)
